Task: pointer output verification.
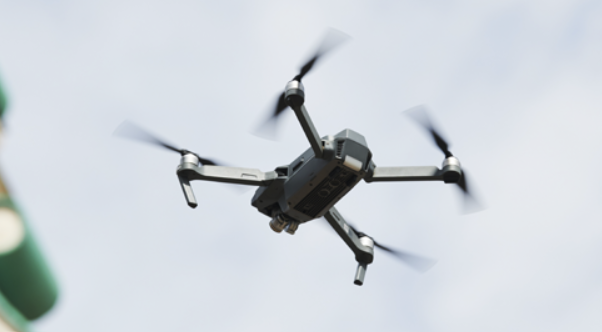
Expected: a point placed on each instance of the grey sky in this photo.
(514, 85)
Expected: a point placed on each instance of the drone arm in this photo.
(364, 251)
(236, 175)
(363, 254)
(309, 129)
(411, 173)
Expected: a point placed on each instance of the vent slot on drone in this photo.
(297, 165)
(340, 145)
(325, 192)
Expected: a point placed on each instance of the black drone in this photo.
(310, 186)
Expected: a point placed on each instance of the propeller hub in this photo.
(452, 170)
(294, 94)
(451, 161)
(367, 241)
(189, 158)
(366, 255)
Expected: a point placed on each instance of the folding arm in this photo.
(411, 173)
(363, 247)
(309, 129)
(236, 175)
(188, 171)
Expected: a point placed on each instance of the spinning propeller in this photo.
(420, 115)
(332, 39)
(418, 263)
(129, 130)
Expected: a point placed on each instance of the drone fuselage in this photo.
(308, 187)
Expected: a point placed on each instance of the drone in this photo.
(309, 187)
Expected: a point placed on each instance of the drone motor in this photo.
(451, 169)
(189, 158)
(294, 94)
(362, 265)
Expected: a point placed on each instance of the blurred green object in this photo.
(25, 279)
(27, 288)
(3, 101)
(10, 318)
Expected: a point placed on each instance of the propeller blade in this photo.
(330, 41)
(471, 203)
(280, 106)
(418, 263)
(269, 128)
(462, 183)
(420, 115)
(130, 130)
(205, 161)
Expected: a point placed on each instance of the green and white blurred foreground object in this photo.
(27, 289)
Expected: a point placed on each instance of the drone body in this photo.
(310, 186)
(313, 183)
